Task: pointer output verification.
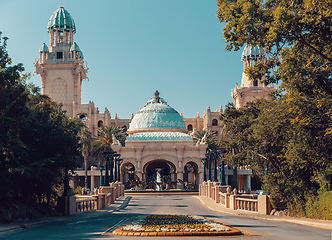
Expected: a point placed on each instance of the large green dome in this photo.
(61, 20)
(157, 116)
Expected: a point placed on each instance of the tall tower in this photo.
(249, 89)
(61, 65)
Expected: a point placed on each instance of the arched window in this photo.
(190, 127)
(214, 122)
(82, 116)
(100, 123)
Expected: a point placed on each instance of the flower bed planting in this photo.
(174, 225)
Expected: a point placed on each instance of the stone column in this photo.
(92, 185)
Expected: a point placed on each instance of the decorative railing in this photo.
(86, 204)
(223, 195)
(222, 198)
(246, 204)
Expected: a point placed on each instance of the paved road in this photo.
(92, 225)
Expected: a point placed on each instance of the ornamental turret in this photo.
(250, 55)
(61, 65)
(249, 90)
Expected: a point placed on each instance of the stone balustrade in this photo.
(86, 204)
(81, 203)
(246, 202)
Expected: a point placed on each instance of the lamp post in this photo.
(212, 155)
(215, 154)
(113, 162)
(223, 178)
(101, 168)
(208, 157)
(118, 162)
(204, 161)
(108, 156)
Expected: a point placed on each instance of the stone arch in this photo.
(166, 168)
(59, 90)
(128, 172)
(214, 122)
(190, 175)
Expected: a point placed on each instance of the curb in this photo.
(24, 225)
(316, 223)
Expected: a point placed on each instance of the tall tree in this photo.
(291, 132)
(37, 141)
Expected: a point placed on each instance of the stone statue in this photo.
(204, 139)
(115, 141)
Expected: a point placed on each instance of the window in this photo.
(255, 83)
(190, 127)
(214, 122)
(100, 123)
(59, 55)
(82, 117)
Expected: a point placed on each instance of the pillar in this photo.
(92, 185)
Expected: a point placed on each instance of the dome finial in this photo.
(156, 96)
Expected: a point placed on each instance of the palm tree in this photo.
(207, 136)
(104, 140)
(85, 141)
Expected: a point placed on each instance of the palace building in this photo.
(159, 138)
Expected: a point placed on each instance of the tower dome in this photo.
(252, 53)
(43, 48)
(62, 21)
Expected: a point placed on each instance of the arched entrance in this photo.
(190, 175)
(128, 170)
(166, 170)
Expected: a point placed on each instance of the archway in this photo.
(166, 169)
(128, 170)
(190, 175)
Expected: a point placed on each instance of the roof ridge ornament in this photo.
(156, 99)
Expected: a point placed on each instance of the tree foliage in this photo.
(292, 132)
(104, 140)
(207, 136)
(37, 141)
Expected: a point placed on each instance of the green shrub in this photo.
(320, 207)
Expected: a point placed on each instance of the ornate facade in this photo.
(159, 137)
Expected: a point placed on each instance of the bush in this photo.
(320, 207)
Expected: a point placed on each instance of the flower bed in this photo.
(174, 225)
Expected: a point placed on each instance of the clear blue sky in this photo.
(133, 48)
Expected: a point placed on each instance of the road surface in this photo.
(92, 225)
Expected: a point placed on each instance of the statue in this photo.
(115, 141)
(204, 139)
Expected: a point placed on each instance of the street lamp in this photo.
(101, 168)
(118, 162)
(108, 156)
(114, 156)
(204, 161)
(208, 157)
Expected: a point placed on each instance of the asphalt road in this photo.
(92, 225)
